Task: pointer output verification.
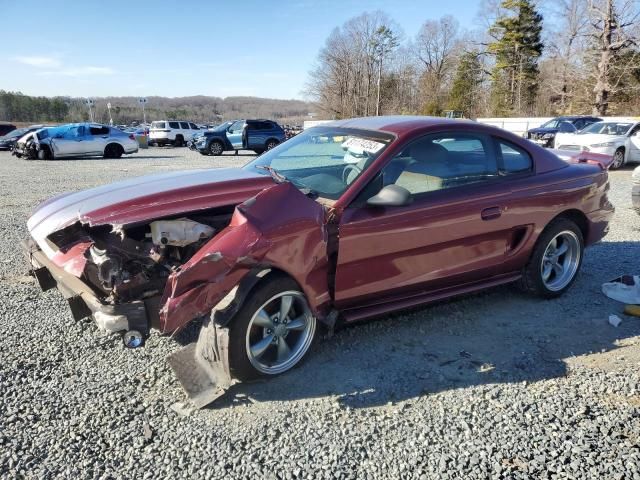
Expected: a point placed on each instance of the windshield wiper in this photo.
(278, 177)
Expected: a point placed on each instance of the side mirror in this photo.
(391, 196)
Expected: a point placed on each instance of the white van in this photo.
(165, 132)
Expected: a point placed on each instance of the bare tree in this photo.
(435, 47)
(612, 23)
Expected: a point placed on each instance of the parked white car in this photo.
(170, 132)
(619, 139)
(635, 189)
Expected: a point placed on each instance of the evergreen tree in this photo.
(517, 48)
(466, 85)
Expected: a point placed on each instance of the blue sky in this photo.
(180, 48)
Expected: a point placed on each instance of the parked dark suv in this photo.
(256, 135)
(545, 134)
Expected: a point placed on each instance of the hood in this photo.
(586, 139)
(145, 198)
(543, 130)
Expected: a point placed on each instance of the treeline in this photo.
(585, 60)
(17, 107)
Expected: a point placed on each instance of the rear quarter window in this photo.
(513, 158)
(99, 130)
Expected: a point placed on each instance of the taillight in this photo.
(132, 136)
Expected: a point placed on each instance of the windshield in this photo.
(222, 127)
(323, 160)
(15, 133)
(607, 128)
(551, 124)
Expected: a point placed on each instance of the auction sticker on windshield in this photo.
(365, 145)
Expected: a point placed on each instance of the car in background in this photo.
(545, 134)
(257, 135)
(635, 189)
(8, 141)
(618, 139)
(171, 132)
(6, 128)
(76, 140)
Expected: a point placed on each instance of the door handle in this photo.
(491, 213)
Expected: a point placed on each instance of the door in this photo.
(634, 144)
(234, 134)
(456, 230)
(70, 143)
(186, 131)
(97, 139)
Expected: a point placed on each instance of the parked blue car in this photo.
(256, 135)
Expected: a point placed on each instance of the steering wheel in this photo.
(351, 167)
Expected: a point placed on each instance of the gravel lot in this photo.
(495, 385)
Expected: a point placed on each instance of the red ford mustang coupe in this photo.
(345, 221)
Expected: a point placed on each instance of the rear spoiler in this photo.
(572, 156)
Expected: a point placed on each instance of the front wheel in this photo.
(555, 261)
(272, 332)
(216, 148)
(618, 159)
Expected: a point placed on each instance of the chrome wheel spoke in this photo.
(297, 323)
(546, 272)
(285, 306)
(283, 350)
(263, 320)
(259, 348)
(562, 249)
(557, 268)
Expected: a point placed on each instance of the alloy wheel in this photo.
(561, 260)
(280, 333)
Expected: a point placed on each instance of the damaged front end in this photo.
(166, 272)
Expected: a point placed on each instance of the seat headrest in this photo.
(427, 152)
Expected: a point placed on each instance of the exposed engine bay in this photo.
(128, 263)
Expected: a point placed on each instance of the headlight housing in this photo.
(603, 145)
(547, 136)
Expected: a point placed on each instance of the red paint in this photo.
(451, 241)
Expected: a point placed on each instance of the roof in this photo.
(396, 123)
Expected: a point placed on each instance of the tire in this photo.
(548, 274)
(216, 148)
(259, 152)
(255, 348)
(618, 159)
(113, 150)
(179, 141)
(271, 144)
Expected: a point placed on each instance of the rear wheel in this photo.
(216, 148)
(272, 332)
(179, 141)
(618, 159)
(555, 261)
(113, 150)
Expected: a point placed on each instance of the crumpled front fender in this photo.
(278, 228)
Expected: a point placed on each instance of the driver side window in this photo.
(441, 161)
(236, 127)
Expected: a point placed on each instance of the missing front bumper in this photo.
(139, 315)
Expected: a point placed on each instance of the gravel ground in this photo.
(495, 385)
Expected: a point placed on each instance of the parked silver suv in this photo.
(76, 140)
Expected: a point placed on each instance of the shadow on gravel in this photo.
(497, 336)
